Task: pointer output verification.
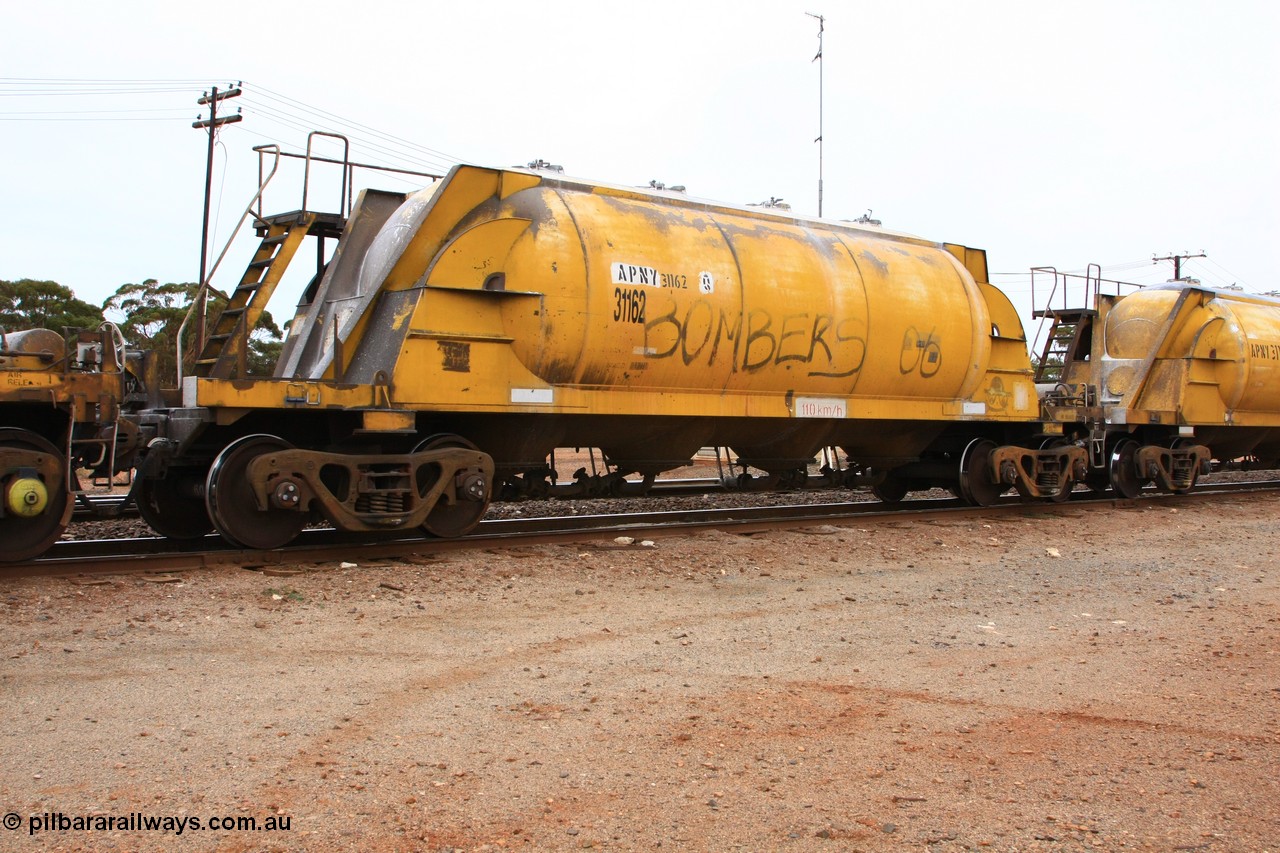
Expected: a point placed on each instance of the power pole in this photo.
(212, 123)
(818, 59)
(1177, 262)
(212, 98)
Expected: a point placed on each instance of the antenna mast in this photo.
(818, 59)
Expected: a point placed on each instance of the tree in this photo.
(154, 312)
(30, 304)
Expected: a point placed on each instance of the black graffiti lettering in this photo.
(657, 323)
(690, 331)
(755, 335)
(922, 353)
(834, 348)
(789, 331)
(726, 330)
(847, 340)
(931, 361)
(821, 325)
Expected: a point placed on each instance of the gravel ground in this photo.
(1094, 680)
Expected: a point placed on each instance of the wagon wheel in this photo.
(1124, 473)
(455, 514)
(976, 485)
(36, 511)
(231, 503)
(892, 489)
(171, 507)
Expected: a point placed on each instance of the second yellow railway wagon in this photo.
(1163, 380)
(462, 333)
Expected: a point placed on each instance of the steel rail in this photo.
(102, 507)
(149, 555)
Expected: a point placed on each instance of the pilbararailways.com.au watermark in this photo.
(141, 822)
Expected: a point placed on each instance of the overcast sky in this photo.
(1045, 133)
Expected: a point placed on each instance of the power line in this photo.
(257, 134)
(74, 118)
(325, 113)
(87, 112)
(271, 106)
(199, 81)
(300, 124)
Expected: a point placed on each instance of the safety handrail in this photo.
(344, 194)
(118, 344)
(1094, 285)
(1093, 288)
(203, 291)
(1048, 303)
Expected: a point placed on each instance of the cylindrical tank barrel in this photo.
(645, 292)
(1239, 332)
(43, 343)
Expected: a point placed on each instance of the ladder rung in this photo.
(275, 239)
(257, 265)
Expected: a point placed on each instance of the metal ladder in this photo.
(224, 352)
(1074, 316)
(227, 346)
(1060, 344)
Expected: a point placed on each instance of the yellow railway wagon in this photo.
(1178, 374)
(462, 333)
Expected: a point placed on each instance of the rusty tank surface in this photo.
(652, 325)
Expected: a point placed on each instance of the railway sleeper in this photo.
(371, 492)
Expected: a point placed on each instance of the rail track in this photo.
(109, 507)
(152, 554)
